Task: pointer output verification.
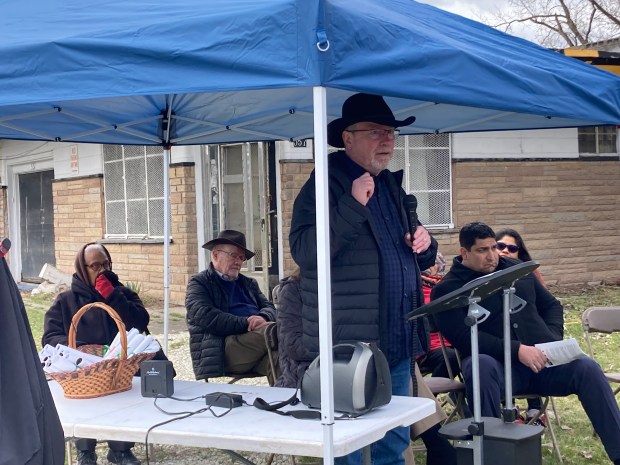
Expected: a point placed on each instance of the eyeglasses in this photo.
(376, 134)
(511, 248)
(234, 256)
(96, 266)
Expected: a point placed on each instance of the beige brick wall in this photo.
(567, 211)
(294, 175)
(79, 218)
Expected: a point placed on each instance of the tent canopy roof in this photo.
(213, 72)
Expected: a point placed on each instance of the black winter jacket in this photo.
(359, 310)
(95, 326)
(541, 320)
(209, 320)
(292, 356)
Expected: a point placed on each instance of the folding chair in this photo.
(274, 295)
(602, 320)
(454, 389)
(271, 342)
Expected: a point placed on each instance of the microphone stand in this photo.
(475, 315)
(468, 434)
(511, 304)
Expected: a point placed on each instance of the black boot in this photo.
(122, 457)
(86, 457)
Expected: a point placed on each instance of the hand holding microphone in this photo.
(418, 236)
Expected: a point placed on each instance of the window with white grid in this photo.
(425, 160)
(599, 140)
(134, 191)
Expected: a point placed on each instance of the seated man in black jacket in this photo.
(227, 314)
(541, 320)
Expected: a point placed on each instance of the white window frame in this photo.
(583, 132)
(151, 218)
(414, 155)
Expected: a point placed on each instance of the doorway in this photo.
(36, 219)
(236, 176)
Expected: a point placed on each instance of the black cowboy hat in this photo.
(230, 236)
(362, 107)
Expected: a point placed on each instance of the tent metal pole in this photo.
(279, 216)
(166, 122)
(323, 271)
(166, 244)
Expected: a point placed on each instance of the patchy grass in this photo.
(36, 306)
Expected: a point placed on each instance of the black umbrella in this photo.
(30, 430)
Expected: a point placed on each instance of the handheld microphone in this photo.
(411, 205)
(5, 247)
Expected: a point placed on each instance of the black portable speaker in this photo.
(157, 378)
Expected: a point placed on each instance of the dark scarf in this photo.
(81, 270)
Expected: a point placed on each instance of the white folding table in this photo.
(127, 416)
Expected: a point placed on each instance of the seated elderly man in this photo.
(227, 314)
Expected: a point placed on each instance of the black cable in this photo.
(146, 439)
(184, 415)
(182, 400)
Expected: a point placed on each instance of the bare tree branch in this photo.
(560, 23)
(604, 11)
(560, 30)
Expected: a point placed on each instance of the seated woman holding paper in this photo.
(94, 281)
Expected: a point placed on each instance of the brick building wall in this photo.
(294, 175)
(79, 218)
(567, 211)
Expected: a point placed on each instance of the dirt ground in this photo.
(176, 318)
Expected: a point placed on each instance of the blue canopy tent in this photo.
(240, 70)
(154, 72)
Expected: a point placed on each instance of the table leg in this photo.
(366, 456)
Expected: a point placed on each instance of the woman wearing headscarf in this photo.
(94, 281)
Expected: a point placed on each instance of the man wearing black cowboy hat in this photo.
(227, 314)
(375, 269)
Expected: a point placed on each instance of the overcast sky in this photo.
(467, 8)
(474, 9)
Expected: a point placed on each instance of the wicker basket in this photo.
(105, 377)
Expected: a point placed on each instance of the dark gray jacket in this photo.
(209, 320)
(359, 310)
(292, 356)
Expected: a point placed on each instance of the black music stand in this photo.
(469, 295)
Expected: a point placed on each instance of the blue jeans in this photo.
(583, 377)
(389, 450)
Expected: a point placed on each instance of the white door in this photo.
(236, 177)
